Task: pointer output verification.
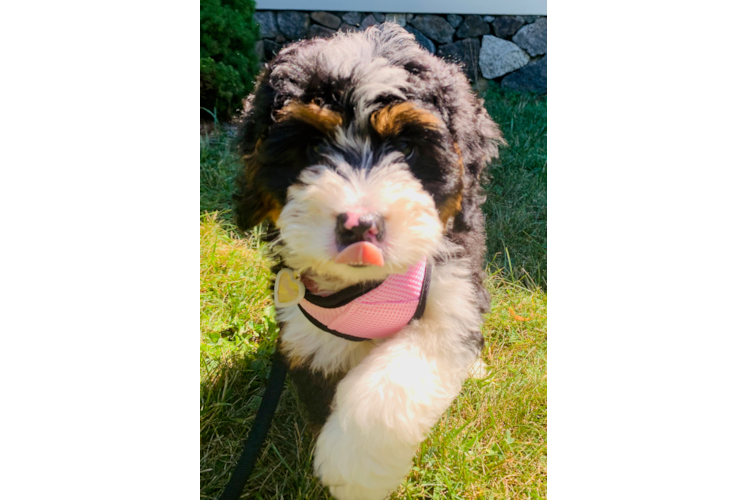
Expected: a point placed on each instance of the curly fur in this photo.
(370, 121)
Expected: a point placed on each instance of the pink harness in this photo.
(370, 312)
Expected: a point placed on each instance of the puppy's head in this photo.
(363, 150)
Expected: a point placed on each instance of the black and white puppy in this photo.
(366, 137)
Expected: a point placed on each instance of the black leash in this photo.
(259, 431)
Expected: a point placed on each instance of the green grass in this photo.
(516, 208)
(490, 444)
(219, 164)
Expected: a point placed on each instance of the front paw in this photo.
(360, 464)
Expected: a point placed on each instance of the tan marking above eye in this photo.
(391, 119)
(325, 120)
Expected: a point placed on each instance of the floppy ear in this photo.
(253, 202)
(482, 145)
(478, 138)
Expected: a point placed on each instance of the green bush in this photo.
(227, 58)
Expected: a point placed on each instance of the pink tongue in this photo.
(361, 253)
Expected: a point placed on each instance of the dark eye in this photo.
(407, 148)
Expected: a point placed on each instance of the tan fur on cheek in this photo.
(453, 204)
(274, 214)
(450, 208)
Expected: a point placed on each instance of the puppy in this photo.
(366, 154)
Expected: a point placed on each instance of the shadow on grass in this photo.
(516, 205)
(230, 395)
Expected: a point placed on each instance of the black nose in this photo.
(351, 228)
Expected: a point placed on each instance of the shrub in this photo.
(227, 57)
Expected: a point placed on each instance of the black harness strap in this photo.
(342, 297)
(424, 294)
(260, 428)
(324, 327)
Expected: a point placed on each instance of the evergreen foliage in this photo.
(228, 61)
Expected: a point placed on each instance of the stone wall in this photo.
(510, 50)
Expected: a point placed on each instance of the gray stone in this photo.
(345, 28)
(353, 18)
(260, 50)
(294, 25)
(401, 19)
(531, 78)
(466, 53)
(472, 27)
(317, 31)
(499, 57)
(434, 27)
(488, 19)
(378, 16)
(533, 37)
(454, 20)
(409, 17)
(422, 39)
(271, 49)
(280, 39)
(326, 19)
(368, 21)
(506, 26)
(531, 19)
(268, 26)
